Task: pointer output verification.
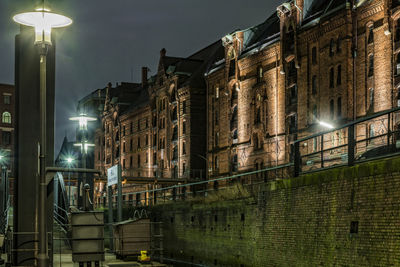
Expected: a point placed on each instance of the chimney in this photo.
(144, 76)
(163, 52)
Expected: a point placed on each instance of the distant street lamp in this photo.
(43, 21)
(84, 144)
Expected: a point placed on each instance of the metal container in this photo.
(131, 237)
(87, 236)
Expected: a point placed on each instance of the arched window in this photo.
(371, 98)
(6, 117)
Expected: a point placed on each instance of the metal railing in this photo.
(203, 188)
(367, 138)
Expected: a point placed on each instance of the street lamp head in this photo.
(43, 21)
(70, 160)
(83, 120)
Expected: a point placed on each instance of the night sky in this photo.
(112, 39)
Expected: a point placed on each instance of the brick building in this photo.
(287, 77)
(7, 126)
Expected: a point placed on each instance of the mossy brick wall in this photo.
(303, 221)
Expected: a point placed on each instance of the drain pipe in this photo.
(299, 9)
(355, 43)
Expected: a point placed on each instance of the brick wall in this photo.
(339, 217)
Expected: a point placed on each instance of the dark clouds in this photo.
(110, 39)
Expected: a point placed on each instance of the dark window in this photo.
(314, 85)
(147, 123)
(123, 130)
(370, 35)
(235, 163)
(315, 113)
(184, 127)
(339, 107)
(314, 55)
(332, 109)
(6, 138)
(124, 147)
(258, 116)
(371, 66)
(123, 163)
(216, 117)
(183, 148)
(138, 142)
(130, 145)
(232, 68)
(371, 98)
(130, 161)
(397, 64)
(255, 141)
(339, 45)
(331, 48)
(216, 139)
(339, 75)
(147, 140)
(184, 107)
(131, 128)
(292, 124)
(138, 125)
(354, 227)
(138, 160)
(7, 99)
(331, 78)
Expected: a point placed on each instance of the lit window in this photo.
(6, 117)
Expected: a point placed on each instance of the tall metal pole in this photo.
(69, 187)
(110, 216)
(119, 196)
(42, 255)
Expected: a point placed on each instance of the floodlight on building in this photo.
(43, 21)
(237, 87)
(325, 124)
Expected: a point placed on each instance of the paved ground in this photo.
(111, 261)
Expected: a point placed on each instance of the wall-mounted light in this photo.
(325, 124)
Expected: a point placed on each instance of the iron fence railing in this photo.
(367, 138)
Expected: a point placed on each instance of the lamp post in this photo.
(69, 163)
(84, 144)
(4, 189)
(43, 21)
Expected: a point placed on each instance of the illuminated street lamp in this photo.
(43, 21)
(70, 161)
(84, 144)
(83, 120)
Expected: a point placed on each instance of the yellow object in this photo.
(143, 256)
